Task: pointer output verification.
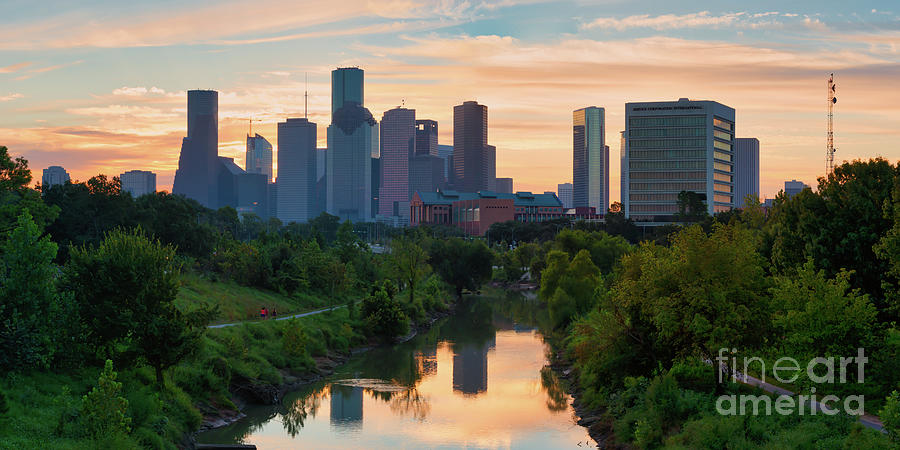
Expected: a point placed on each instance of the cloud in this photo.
(10, 97)
(33, 72)
(665, 21)
(15, 67)
(138, 91)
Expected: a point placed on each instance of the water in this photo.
(473, 380)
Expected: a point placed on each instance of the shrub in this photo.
(104, 409)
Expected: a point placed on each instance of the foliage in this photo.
(408, 263)
(890, 416)
(104, 409)
(294, 339)
(461, 264)
(383, 313)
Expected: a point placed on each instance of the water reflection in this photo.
(432, 391)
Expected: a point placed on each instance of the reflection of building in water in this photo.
(470, 367)
(426, 361)
(346, 406)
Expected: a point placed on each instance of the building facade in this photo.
(54, 175)
(138, 182)
(426, 173)
(297, 170)
(348, 168)
(426, 137)
(794, 187)
(590, 162)
(565, 192)
(472, 160)
(347, 85)
(746, 170)
(398, 142)
(504, 186)
(243, 191)
(475, 212)
(671, 147)
(198, 165)
(259, 156)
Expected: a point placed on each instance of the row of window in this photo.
(722, 177)
(722, 145)
(717, 122)
(722, 166)
(666, 154)
(667, 132)
(722, 187)
(667, 186)
(690, 175)
(673, 164)
(722, 135)
(667, 208)
(666, 143)
(675, 121)
(722, 156)
(722, 198)
(653, 197)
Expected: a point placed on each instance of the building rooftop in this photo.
(522, 198)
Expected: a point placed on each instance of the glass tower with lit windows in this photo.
(672, 147)
(590, 164)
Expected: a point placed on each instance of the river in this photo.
(473, 380)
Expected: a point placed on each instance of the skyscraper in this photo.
(794, 187)
(470, 163)
(348, 170)
(398, 141)
(590, 168)
(245, 192)
(138, 182)
(426, 137)
(426, 174)
(259, 156)
(746, 169)
(198, 166)
(54, 175)
(490, 167)
(504, 186)
(445, 152)
(346, 86)
(673, 147)
(565, 192)
(296, 170)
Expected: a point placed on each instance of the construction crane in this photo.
(829, 150)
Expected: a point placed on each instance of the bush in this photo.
(103, 409)
(384, 316)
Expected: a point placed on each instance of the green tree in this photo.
(890, 416)
(104, 410)
(17, 197)
(383, 314)
(28, 299)
(691, 207)
(409, 263)
(460, 263)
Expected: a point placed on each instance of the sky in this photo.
(98, 86)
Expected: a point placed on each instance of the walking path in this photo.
(310, 313)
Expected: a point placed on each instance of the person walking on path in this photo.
(262, 313)
(274, 313)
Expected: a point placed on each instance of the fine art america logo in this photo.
(820, 371)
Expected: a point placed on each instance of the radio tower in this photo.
(829, 151)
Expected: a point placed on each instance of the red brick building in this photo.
(476, 212)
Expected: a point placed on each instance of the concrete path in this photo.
(310, 313)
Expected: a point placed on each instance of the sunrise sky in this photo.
(98, 86)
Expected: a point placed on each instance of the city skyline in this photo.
(132, 117)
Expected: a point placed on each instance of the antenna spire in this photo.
(829, 149)
(250, 133)
(306, 97)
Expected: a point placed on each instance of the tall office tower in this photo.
(590, 168)
(346, 86)
(296, 170)
(794, 187)
(259, 156)
(504, 186)
(490, 167)
(54, 175)
(426, 174)
(673, 147)
(376, 142)
(138, 182)
(243, 191)
(426, 137)
(746, 170)
(470, 165)
(565, 191)
(198, 165)
(348, 168)
(398, 142)
(622, 146)
(445, 152)
(321, 155)
(376, 182)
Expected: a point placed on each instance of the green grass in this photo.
(236, 302)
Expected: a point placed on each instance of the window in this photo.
(717, 122)
(667, 186)
(667, 176)
(722, 135)
(668, 121)
(722, 198)
(722, 177)
(669, 208)
(722, 145)
(722, 166)
(667, 132)
(653, 197)
(722, 187)
(666, 154)
(666, 143)
(723, 156)
(677, 164)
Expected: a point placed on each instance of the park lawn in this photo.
(236, 302)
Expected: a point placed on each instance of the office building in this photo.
(138, 182)
(475, 212)
(590, 168)
(245, 192)
(445, 152)
(198, 162)
(348, 168)
(746, 170)
(504, 186)
(565, 191)
(398, 141)
(297, 170)
(259, 156)
(794, 187)
(473, 161)
(346, 87)
(672, 147)
(490, 166)
(54, 175)
(426, 137)
(426, 173)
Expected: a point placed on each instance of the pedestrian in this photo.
(262, 313)
(274, 313)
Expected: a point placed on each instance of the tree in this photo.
(104, 409)
(27, 297)
(125, 290)
(691, 207)
(409, 263)
(17, 197)
(383, 314)
(462, 264)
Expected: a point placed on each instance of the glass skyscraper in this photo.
(398, 141)
(472, 159)
(259, 156)
(198, 163)
(348, 168)
(138, 182)
(297, 161)
(346, 86)
(590, 164)
(746, 170)
(672, 147)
